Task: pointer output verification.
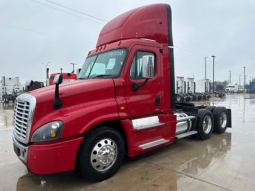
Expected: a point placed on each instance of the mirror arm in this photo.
(136, 86)
(57, 102)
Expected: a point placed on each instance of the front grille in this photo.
(23, 116)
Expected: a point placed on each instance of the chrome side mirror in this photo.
(148, 66)
(58, 79)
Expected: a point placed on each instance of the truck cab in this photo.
(122, 103)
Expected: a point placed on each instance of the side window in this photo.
(137, 64)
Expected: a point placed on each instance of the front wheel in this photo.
(100, 154)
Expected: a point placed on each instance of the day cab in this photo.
(123, 103)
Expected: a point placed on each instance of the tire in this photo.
(204, 124)
(220, 115)
(105, 144)
(210, 108)
(179, 98)
(6, 100)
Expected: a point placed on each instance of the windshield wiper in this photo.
(102, 75)
(82, 78)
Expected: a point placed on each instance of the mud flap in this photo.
(229, 125)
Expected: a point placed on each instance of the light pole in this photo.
(45, 64)
(244, 77)
(205, 68)
(46, 71)
(73, 66)
(213, 73)
(206, 88)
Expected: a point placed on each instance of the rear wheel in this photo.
(204, 124)
(210, 108)
(220, 116)
(6, 100)
(100, 154)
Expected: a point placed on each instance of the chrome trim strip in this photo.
(185, 134)
(23, 150)
(24, 110)
(153, 143)
(146, 122)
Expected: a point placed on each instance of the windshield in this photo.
(106, 64)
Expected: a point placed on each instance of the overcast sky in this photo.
(59, 32)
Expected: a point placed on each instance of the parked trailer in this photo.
(252, 87)
(10, 88)
(203, 86)
(180, 91)
(122, 103)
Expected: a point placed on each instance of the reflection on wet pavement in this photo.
(6, 115)
(224, 162)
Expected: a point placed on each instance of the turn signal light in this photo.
(53, 133)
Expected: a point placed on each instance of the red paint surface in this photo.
(144, 22)
(54, 157)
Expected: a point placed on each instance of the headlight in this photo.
(48, 132)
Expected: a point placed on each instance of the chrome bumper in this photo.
(20, 150)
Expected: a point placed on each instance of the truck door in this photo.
(147, 100)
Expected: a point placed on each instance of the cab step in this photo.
(180, 136)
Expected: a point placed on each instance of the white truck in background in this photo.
(233, 88)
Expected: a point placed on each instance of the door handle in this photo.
(157, 100)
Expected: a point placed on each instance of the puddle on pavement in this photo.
(6, 120)
(6, 114)
(6, 106)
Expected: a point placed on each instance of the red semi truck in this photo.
(123, 103)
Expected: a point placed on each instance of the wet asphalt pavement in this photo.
(224, 162)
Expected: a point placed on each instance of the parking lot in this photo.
(224, 162)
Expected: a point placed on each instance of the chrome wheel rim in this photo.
(223, 120)
(207, 124)
(103, 155)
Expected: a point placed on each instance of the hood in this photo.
(75, 91)
(71, 94)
